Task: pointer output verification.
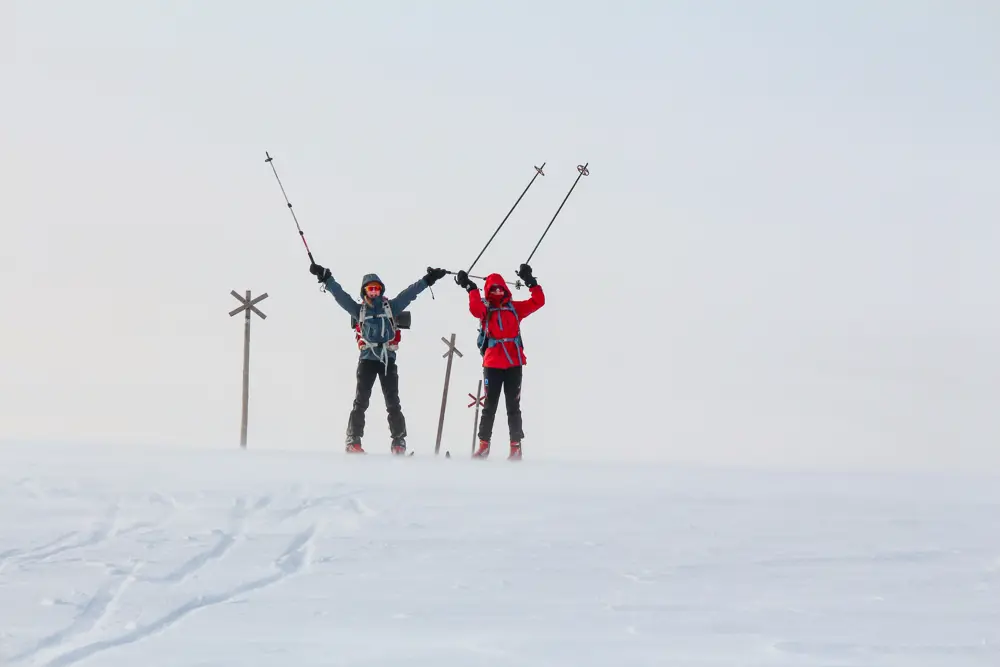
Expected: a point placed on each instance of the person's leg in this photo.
(389, 378)
(366, 374)
(493, 379)
(512, 396)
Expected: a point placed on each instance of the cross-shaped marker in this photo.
(481, 401)
(248, 306)
(451, 347)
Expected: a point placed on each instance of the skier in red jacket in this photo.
(502, 349)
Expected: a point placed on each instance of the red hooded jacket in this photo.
(503, 323)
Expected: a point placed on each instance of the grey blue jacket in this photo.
(375, 329)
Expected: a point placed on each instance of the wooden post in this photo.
(246, 376)
(477, 400)
(452, 350)
(248, 306)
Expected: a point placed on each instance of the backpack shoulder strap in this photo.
(387, 306)
(361, 314)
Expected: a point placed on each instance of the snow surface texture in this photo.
(156, 557)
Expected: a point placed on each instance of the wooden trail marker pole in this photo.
(477, 401)
(249, 305)
(452, 350)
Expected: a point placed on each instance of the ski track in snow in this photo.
(14, 555)
(84, 636)
(490, 565)
(90, 616)
(103, 530)
(225, 540)
(294, 559)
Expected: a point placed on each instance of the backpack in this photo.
(386, 314)
(484, 341)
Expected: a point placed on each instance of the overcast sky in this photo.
(786, 251)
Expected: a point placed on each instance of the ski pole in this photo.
(516, 283)
(270, 160)
(582, 168)
(538, 170)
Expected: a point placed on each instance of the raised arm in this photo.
(476, 305)
(528, 306)
(537, 300)
(406, 297)
(342, 298)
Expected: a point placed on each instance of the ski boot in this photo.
(515, 451)
(483, 451)
(354, 446)
(398, 447)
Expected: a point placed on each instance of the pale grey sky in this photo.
(784, 254)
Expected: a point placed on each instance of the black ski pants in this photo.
(368, 370)
(507, 381)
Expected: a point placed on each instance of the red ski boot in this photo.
(354, 448)
(398, 447)
(483, 451)
(515, 452)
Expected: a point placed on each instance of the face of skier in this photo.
(373, 291)
(496, 293)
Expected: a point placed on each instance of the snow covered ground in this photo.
(183, 557)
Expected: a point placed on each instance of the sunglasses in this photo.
(373, 288)
(497, 289)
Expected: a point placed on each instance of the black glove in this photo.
(433, 275)
(525, 273)
(321, 272)
(462, 278)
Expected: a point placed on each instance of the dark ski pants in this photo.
(507, 381)
(388, 376)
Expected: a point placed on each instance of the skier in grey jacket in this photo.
(378, 337)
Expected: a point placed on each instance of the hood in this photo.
(370, 278)
(496, 279)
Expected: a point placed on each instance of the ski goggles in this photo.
(496, 289)
(373, 288)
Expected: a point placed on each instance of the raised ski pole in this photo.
(538, 172)
(270, 160)
(477, 400)
(582, 168)
(249, 305)
(452, 350)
